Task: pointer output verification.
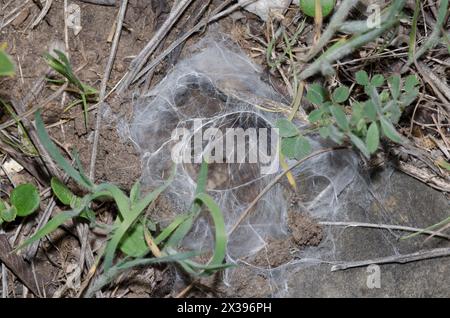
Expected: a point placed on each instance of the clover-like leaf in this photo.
(308, 7)
(359, 144)
(341, 118)
(286, 128)
(410, 83)
(9, 214)
(341, 94)
(316, 94)
(295, 147)
(324, 132)
(373, 138)
(370, 110)
(377, 80)
(362, 78)
(395, 85)
(389, 130)
(25, 198)
(315, 115)
(357, 112)
(336, 135)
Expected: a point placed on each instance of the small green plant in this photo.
(61, 64)
(7, 67)
(308, 7)
(132, 232)
(24, 200)
(363, 123)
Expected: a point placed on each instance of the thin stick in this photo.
(105, 79)
(216, 15)
(143, 56)
(275, 181)
(386, 227)
(399, 259)
(44, 11)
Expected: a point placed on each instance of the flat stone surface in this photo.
(397, 199)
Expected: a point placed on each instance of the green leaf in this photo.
(286, 128)
(385, 96)
(295, 147)
(308, 7)
(443, 164)
(135, 193)
(362, 78)
(171, 228)
(130, 218)
(122, 201)
(314, 116)
(341, 94)
(56, 155)
(336, 135)
(357, 112)
(377, 80)
(324, 132)
(341, 118)
(410, 83)
(62, 192)
(389, 130)
(370, 110)
(395, 86)
(316, 94)
(186, 226)
(373, 138)
(133, 243)
(8, 214)
(361, 126)
(219, 225)
(360, 145)
(7, 67)
(2, 206)
(25, 198)
(48, 228)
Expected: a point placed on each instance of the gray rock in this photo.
(396, 199)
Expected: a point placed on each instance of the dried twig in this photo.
(399, 259)
(18, 266)
(43, 14)
(105, 79)
(217, 14)
(101, 2)
(386, 227)
(143, 56)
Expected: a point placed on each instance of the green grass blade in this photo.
(220, 235)
(56, 155)
(179, 234)
(130, 219)
(165, 259)
(122, 201)
(412, 36)
(171, 228)
(430, 228)
(51, 225)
